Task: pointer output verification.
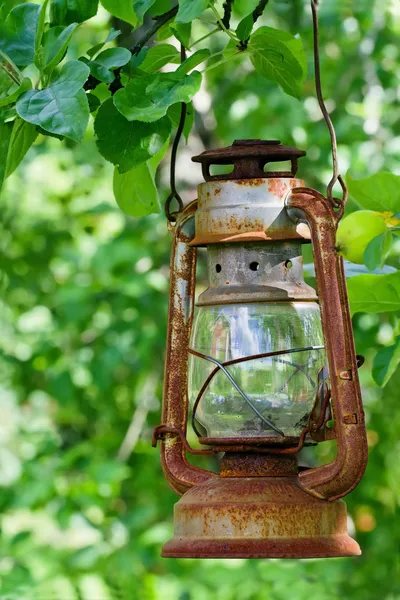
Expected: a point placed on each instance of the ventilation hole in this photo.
(288, 264)
(218, 268)
(254, 266)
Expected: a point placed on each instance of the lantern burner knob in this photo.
(249, 158)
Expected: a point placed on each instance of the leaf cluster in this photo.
(126, 90)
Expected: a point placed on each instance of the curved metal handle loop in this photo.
(338, 478)
(336, 177)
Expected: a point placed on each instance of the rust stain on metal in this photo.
(340, 477)
(255, 182)
(258, 517)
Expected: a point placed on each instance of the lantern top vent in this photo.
(249, 158)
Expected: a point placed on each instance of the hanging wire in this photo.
(174, 195)
(336, 202)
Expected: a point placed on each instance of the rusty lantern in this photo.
(263, 367)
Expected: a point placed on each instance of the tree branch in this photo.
(259, 9)
(226, 19)
(158, 23)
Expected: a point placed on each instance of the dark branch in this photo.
(226, 19)
(158, 23)
(259, 9)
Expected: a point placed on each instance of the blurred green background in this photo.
(84, 506)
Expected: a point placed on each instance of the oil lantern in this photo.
(262, 365)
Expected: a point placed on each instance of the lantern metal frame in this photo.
(331, 481)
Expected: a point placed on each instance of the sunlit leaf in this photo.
(194, 60)
(374, 293)
(125, 143)
(147, 98)
(55, 44)
(122, 9)
(190, 10)
(377, 250)
(65, 12)
(62, 108)
(113, 34)
(18, 34)
(135, 191)
(107, 61)
(158, 56)
(386, 362)
(380, 192)
(280, 57)
(141, 7)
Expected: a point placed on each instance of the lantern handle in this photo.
(338, 478)
(338, 203)
(180, 474)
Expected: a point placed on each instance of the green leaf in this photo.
(94, 102)
(135, 191)
(15, 140)
(127, 144)
(107, 61)
(380, 192)
(374, 293)
(190, 10)
(22, 137)
(18, 34)
(62, 108)
(40, 31)
(5, 137)
(182, 32)
(55, 45)
(65, 12)
(174, 113)
(26, 85)
(122, 9)
(131, 68)
(147, 98)
(113, 34)
(194, 60)
(377, 250)
(245, 27)
(141, 7)
(386, 362)
(280, 57)
(158, 56)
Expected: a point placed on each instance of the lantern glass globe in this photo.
(282, 388)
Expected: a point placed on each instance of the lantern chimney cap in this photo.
(249, 158)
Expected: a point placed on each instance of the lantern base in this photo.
(258, 517)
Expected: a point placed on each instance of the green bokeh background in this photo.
(84, 506)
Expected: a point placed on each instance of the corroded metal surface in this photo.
(258, 517)
(255, 272)
(341, 476)
(244, 464)
(179, 473)
(249, 158)
(245, 210)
